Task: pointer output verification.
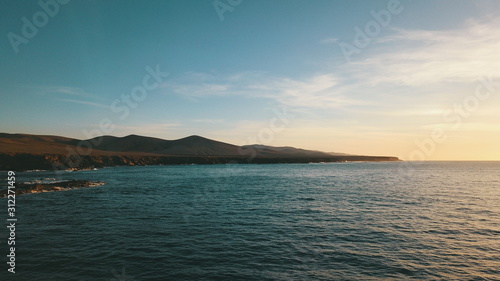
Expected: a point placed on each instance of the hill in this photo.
(24, 151)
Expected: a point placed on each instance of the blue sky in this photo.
(271, 72)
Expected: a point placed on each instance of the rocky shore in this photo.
(25, 161)
(21, 152)
(24, 188)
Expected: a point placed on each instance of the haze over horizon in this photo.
(418, 80)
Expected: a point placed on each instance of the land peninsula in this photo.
(21, 152)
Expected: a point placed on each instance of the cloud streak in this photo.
(69, 91)
(72, 95)
(416, 61)
(84, 102)
(317, 91)
(423, 57)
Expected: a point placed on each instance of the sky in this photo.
(419, 80)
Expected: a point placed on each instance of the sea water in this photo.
(333, 221)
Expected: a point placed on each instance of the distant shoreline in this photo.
(22, 152)
(25, 161)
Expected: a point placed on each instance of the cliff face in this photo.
(21, 162)
(26, 161)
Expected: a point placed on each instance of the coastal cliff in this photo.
(21, 162)
(35, 152)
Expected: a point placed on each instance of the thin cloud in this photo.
(69, 91)
(210, 121)
(329, 41)
(72, 95)
(405, 75)
(84, 102)
(488, 127)
(424, 57)
(318, 91)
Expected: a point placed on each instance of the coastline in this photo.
(26, 161)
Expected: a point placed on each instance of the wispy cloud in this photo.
(209, 121)
(84, 102)
(405, 61)
(71, 95)
(485, 127)
(317, 91)
(405, 82)
(199, 85)
(330, 40)
(68, 91)
(424, 57)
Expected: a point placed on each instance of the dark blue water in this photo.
(341, 221)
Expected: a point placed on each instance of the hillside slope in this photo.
(23, 151)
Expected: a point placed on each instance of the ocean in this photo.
(327, 221)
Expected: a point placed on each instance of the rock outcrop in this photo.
(24, 188)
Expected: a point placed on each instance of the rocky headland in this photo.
(21, 152)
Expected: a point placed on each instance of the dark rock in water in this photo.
(23, 188)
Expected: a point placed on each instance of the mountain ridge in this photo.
(141, 150)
